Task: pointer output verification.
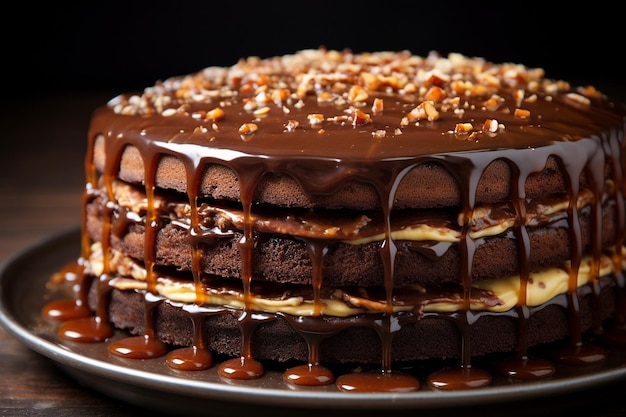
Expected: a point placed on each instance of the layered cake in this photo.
(344, 214)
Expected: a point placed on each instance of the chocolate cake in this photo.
(330, 211)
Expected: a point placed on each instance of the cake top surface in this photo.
(369, 106)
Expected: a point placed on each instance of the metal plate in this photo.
(152, 384)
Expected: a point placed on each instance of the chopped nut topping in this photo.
(531, 99)
(578, 98)
(291, 125)
(357, 94)
(409, 88)
(493, 103)
(463, 128)
(518, 96)
(279, 95)
(261, 111)
(461, 87)
(424, 110)
(491, 125)
(590, 91)
(215, 114)
(198, 114)
(325, 97)
(360, 118)
(435, 93)
(315, 119)
(377, 107)
(248, 128)
(432, 88)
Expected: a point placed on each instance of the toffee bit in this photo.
(291, 125)
(315, 119)
(578, 98)
(377, 106)
(435, 94)
(491, 125)
(248, 128)
(261, 111)
(215, 114)
(168, 112)
(463, 128)
(357, 94)
(424, 110)
(522, 113)
(360, 118)
(325, 97)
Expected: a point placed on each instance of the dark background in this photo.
(117, 46)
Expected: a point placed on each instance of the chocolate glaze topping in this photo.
(329, 123)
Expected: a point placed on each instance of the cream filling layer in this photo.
(540, 288)
(481, 224)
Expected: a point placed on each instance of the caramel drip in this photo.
(147, 345)
(577, 351)
(466, 173)
(246, 367)
(195, 231)
(523, 366)
(96, 328)
(314, 330)
(144, 346)
(523, 250)
(77, 306)
(313, 373)
(195, 357)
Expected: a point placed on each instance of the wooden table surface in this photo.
(41, 177)
(41, 181)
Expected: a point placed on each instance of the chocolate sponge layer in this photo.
(427, 185)
(434, 336)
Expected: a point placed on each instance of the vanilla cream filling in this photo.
(540, 288)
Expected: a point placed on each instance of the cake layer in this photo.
(500, 295)
(356, 341)
(428, 185)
